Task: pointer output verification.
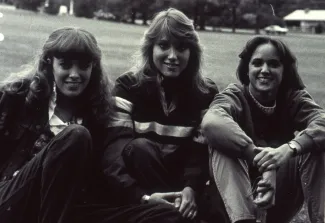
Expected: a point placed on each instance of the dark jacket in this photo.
(139, 114)
(24, 130)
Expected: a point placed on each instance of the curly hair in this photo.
(291, 78)
(40, 80)
(173, 24)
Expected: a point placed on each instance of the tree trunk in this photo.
(234, 18)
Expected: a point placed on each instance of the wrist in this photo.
(145, 199)
(294, 148)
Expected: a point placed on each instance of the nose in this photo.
(172, 54)
(265, 68)
(74, 72)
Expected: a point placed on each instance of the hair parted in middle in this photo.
(173, 24)
(73, 44)
(291, 79)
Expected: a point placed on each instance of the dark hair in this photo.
(67, 41)
(291, 78)
(174, 24)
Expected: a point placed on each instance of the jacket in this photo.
(140, 114)
(240, 122)
(24, 130)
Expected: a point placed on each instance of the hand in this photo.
(266, 190)
(186, 204)
(271, 158)
(164, 198)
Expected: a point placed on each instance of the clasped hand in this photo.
(183, 201)
(268, 158)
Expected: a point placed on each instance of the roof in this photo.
(306, 15)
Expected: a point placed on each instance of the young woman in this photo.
(51, 124)
(269, 122)
(157, 157)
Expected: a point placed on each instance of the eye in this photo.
(84, 65)
(164, 45)
(274, 63)
(257, 62)
(65, 64)
(182, 47)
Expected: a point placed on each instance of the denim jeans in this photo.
(300, 179)
(45, 188)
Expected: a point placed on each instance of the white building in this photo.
(306, 19)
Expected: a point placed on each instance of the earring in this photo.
(48, 60)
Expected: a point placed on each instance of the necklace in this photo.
(264, 109)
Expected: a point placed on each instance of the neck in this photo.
(66, 107)
(265, 98)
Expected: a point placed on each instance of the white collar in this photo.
(56, 124)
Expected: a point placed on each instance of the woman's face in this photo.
(170, 57)
(265, 70)
(71, 76)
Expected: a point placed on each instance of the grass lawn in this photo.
(25, 33)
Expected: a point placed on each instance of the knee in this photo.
(77, 134)
(73, 138)
(136, 147)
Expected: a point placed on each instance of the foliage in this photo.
(84, 8)
(28, 4)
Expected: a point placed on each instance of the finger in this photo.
(258, 157)
(264, 200)
(264, 160)
(171, 195)
(271, 167)
(194, 215)
(257, 150)
(184, 208)
(177, 202)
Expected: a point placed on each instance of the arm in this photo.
(309, 120)
(120, 133)
(220, 125)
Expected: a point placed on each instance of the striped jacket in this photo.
(140, 113)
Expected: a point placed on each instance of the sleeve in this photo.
(120, 133)
(309, 120)
(196, 171)
(220, 124)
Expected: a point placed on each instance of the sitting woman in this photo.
(270, 122)
(51, 119)
(158, 157)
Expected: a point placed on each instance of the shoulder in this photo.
(212, 86)
(127, 79)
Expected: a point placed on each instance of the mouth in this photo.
(264, 79)
(171, 65)
(73, 83)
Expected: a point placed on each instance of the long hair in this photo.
(173, 24)
(291, 79)
(61, 42)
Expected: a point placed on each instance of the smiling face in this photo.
(170, 57)
(265, 71)
(71, 76)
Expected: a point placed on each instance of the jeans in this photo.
(45, 188)
(301, 179)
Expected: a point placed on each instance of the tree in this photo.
(142, 7)
(84, 8)
(28, 4)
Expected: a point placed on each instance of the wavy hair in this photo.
(291, 78)
(62, 42)
(172, 23)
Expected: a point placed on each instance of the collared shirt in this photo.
(172, 105)
(56, 124)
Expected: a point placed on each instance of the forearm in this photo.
(225, 135)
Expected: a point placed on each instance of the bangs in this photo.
(170, 29)
(74, 45)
